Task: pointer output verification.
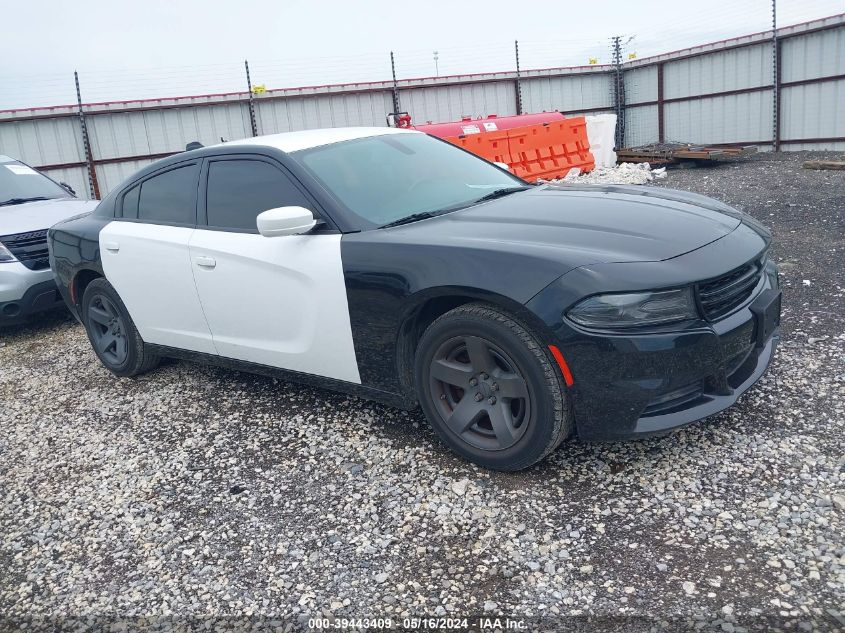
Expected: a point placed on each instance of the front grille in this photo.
(720, 296)
(30, 248)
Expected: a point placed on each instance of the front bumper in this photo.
(644, 385)
(628, 386)
(24, 292)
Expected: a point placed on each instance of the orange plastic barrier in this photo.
(493, 146)
(547, 150)
(550, 150)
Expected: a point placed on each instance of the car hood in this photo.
(41, 214)
(595, 223)
(516, 245)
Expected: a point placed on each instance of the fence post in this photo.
(618, 93)
(775, 80)
(252, 121)
(396, 105)
(661, 131)
(518, 82)
(93, 185)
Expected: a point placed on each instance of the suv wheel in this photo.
(112, 333)
(489, 388)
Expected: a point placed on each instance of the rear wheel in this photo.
(489, 389)
(112, 333)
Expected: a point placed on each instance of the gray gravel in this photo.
(200, 492)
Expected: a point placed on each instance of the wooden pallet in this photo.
(670, 154)
(825, 164)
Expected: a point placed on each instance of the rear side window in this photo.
(130, 202)
(238, 190)
(169, 197)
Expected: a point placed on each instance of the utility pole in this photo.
(436, 65)
(252, 122)
(775, 80)
(93, 185)
(618, 93)
(518, 82)
(396, 105)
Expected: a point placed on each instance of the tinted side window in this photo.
(169, 197)
(238, 190)
(130, 202)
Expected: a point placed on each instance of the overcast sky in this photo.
(128, 49)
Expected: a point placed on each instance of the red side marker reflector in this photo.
(561, 362)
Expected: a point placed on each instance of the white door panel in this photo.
(150, 267)
(277, 301)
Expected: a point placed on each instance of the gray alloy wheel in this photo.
(480, 392)
(112, 333)
(490, 388)
(108, 331)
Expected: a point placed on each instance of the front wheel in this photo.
(112, 333)
(489, 389)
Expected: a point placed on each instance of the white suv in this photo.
(30, 203)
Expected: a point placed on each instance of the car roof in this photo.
(306, 139)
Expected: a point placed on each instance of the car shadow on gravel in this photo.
(36, 324)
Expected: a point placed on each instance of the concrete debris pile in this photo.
(624, 174)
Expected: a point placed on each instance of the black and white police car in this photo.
(395, 266)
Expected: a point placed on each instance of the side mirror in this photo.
(285, 221)
(504, 166)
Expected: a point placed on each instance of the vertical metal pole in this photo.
(396, 105)
(661, 131)
(518, 82)
(618, 93)
(775, 80)
(252, 122)
(93, 185)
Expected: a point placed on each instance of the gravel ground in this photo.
(196, 493)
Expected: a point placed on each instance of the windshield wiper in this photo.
(424, 215)
(498, 193)
(21, 200)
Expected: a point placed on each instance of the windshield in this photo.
(20, 183)
(382, 179)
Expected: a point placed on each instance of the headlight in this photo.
(5, 255)
(634, 309)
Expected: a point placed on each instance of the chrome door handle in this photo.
(112, 247)
(205, 262)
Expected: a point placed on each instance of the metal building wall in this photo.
(735, 69)
(641, 125)
(450, 102)
(45, 141)
(742, 117)
(814, 110)
(641, 120)
(574, 93)
(300, 113)
(167, 130)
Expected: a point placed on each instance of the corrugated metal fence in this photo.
(723, 92)
(717, 93)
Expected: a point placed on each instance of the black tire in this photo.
(490, 389)
(113, 335)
